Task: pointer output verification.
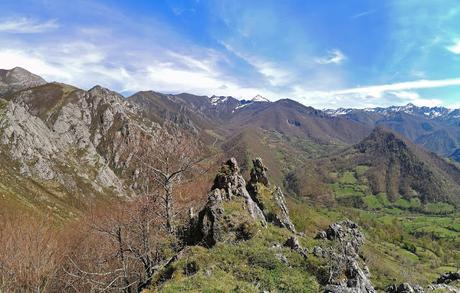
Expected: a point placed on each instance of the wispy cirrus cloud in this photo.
(25, 25)
(408, 85)
(363, 13)
(334, 56)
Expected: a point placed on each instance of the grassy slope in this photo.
(280, 153)
(400, 246)
(249, 266)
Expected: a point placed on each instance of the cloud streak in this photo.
(364, 13)
(24, 25)
(409, 85)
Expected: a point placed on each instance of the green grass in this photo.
(372, 202)
(361, 169)
(402, 203)
(438, 208)
(348, 177)
(351, 189)
(248, 266)
(267, 199)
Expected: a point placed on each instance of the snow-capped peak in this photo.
(411, 109)
(217, 100)
(259, 98)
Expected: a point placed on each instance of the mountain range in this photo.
(61, 145)
(434, 128)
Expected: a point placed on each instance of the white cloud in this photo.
(333, 57)
(418, 84)
(377, 95)
(275, 75)
(454, 48)
(22, 25)
(84, 65)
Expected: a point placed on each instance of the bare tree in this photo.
(169, 160)
(122, 249)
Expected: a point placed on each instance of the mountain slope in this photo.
(294, 119)
(64, 147)
(382, 164)
(17, 79)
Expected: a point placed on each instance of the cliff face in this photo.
(64, 144)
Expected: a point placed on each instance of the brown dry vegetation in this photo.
(116, 247)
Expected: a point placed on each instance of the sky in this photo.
(325, 54)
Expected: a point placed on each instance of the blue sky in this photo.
(328, 54)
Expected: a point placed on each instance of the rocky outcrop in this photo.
(230, 213)
(270, 199)
(442, 288)
(258, 173)
(294, 244)
(408, 288)
(405, 288)
(46, 140)
(348, 271)
(233, 213)
(448, 278)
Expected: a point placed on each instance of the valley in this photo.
(94, 158)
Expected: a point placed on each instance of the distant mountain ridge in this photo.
(437, 112)
(437, 129)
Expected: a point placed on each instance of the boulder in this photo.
(318, 251)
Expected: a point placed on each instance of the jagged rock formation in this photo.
(270, 199)
(51, 128)
(230, 213)
(345, 259)
(258, 173)
(233, 213)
